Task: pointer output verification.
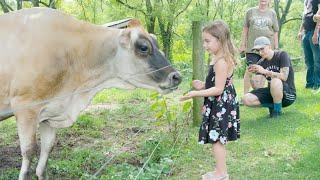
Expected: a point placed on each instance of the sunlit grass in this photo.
(284, 148)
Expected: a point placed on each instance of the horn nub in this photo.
(134, 23)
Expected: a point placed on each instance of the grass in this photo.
(284, 148)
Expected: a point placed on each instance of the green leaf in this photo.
(159, 114)
(154, 106)
(154, 95)
(186, 106)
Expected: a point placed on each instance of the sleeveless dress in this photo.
(221, 120)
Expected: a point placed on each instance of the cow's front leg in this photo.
(48, 135)
(27, 126)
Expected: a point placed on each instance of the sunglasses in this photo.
(260, 49)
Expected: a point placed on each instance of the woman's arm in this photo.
(301, 31)
(244, 39)
(276, 40)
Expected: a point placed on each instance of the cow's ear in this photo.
(125, 38)
(134, 23)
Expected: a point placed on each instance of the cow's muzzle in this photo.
(172, 82)
(175, 79)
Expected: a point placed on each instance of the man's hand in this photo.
(316, 17)
(315, 38)
(257, 69)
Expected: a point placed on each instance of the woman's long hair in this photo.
(220, 30)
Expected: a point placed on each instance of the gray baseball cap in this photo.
(261, 42)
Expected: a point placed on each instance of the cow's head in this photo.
(142, 64)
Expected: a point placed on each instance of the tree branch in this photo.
(185, 8)
(130, 7)
(292, 19)
(218, 6)
(43, 3)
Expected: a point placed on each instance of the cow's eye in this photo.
(143, 48)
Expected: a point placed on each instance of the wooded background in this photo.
(171, 20)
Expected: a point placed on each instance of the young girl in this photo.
(221, 121)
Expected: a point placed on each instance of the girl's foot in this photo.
(212, 176)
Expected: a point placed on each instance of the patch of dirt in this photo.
(135, 161)
(10, 157)
(134, 101)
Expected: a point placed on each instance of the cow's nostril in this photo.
(175, 77)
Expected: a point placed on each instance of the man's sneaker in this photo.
(275, 114)
(270, 112)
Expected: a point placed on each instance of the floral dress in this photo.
(221, 120)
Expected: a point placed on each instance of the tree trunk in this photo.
(52, 4)
(282, 18)
(150, 18)
(19, 4)
(198, 68)
(166, 34)
(4, 6)
(35, 3)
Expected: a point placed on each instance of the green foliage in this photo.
(7, 137)
(281, 148)
(77, 164)
(169, 112)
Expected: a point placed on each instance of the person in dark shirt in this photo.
(309, 35)
(277, 68)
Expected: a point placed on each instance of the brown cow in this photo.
(46, 54)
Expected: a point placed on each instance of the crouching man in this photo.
(276, 67)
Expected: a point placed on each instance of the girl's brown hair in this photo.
(220, 30)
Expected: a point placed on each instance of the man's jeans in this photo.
(312, 60)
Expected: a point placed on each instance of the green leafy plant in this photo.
(171, 113)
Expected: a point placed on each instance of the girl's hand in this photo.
(197, 84)
(187, 96)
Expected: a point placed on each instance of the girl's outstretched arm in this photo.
(221, 70)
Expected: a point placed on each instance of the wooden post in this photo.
(198, 68)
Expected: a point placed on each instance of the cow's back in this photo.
(35, 46)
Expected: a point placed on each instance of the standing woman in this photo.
(259, 21)
(221, 121)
